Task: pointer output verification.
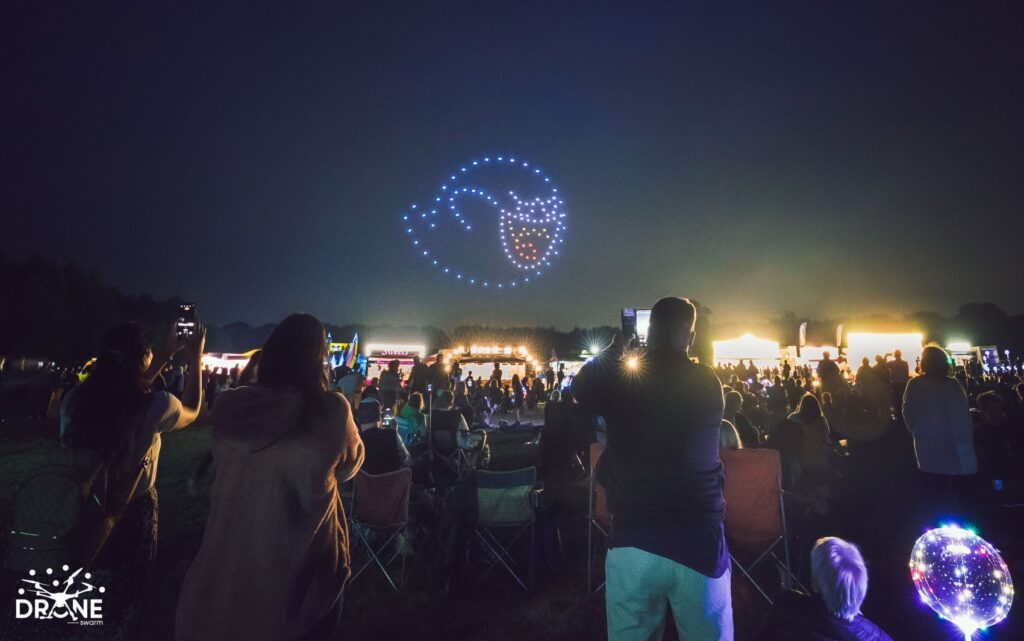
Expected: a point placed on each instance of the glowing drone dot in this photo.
(102, 590)
(49, 570)
(56, 583)
(31, 572)
(21, 590)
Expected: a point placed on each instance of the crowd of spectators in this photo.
(664, 422)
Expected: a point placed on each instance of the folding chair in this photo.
(444, 425)
(599, 518)
(408, 430)
(755, 513)
(380, 503)
(505, 504)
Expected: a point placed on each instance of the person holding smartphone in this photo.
(116, 413)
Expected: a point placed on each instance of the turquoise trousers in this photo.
(640, 586)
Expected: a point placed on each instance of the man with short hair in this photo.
(418, 376)
(664, 480)
(828, 372)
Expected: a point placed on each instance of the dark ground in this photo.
(875, 508)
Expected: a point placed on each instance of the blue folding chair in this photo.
(505, 512)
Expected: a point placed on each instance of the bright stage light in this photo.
(747, 348)
(867, 345)
(962, 578)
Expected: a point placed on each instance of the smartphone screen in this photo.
(186, 323)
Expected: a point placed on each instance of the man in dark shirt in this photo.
(664, 480)
(828, 372)
(418, 376)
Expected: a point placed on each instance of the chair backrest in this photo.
(382, 500)
(504, 498)
(443, 426)
(753, 511)
(599, 508)
(408, 430)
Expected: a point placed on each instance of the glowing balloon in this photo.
(962, 577)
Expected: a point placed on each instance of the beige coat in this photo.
(274, 557)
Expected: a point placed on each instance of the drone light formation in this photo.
(531, 229)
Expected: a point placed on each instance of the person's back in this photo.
(274, 557)
(937, 414)
(662, 438)
(385, 451)
(261, 450)
(664, 480)
(899, 371)
(418, 377)
(389, 381)
(800, 617)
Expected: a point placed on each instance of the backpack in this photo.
(65, 510)
(56, 502)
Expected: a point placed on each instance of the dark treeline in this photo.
(59, 312)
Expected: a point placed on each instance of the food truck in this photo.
(478, 361)
(378, 355)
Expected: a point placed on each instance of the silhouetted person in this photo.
(664, 480)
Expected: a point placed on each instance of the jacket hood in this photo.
(253, 417)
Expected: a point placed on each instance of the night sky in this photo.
(828, 158)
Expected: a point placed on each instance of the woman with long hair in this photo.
(274, 558)
(815, 443)
(517, 396)
(115, 413)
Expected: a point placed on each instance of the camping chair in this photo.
(599, 518)
(514, 450)
(411, 435)
(505, 503)
(755, 515)
(380, 503)
(444, 425)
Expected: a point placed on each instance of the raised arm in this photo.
(192, 399)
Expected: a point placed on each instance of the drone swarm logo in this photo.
(56, 599)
